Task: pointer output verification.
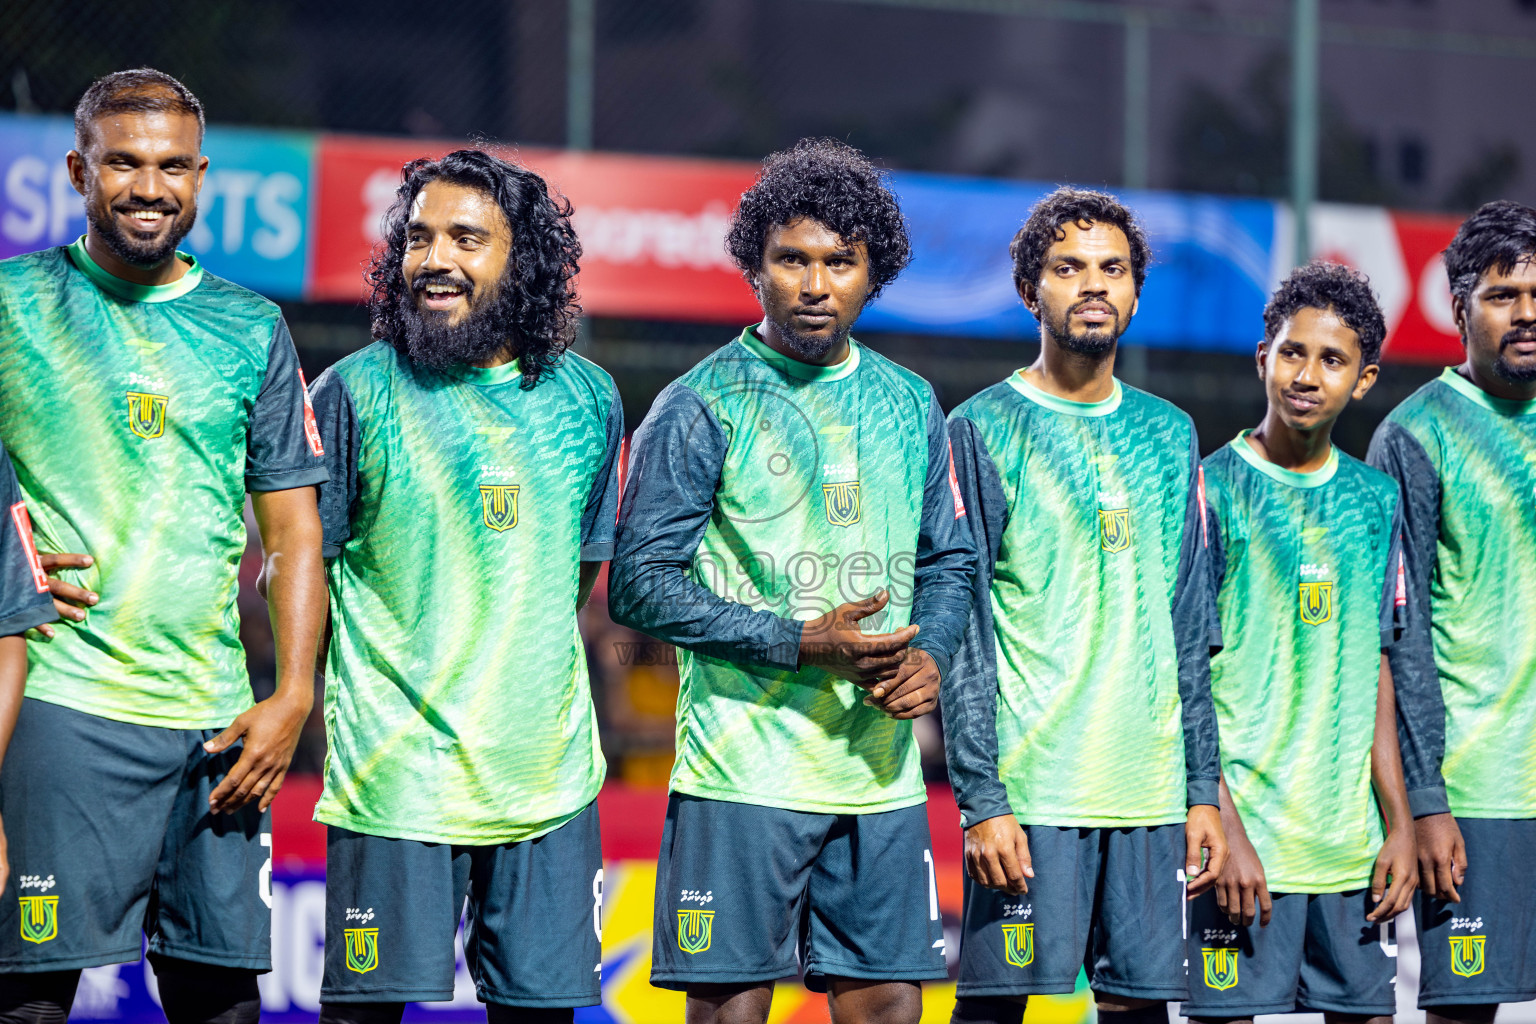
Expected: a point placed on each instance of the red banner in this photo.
(652, 228)
(1426, 332)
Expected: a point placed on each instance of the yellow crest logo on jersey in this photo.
(1467, 954)
(146, 414)
(1220, 967)
(498, 502)
(694, 930)
(39, 918)
(1019, 944)
(1316, 601)
(842, 503)
(1114, 529)
(362, 948)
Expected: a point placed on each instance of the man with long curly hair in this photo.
(472, 499)
(791, 487)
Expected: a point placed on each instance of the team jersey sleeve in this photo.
(968, 698)
(24, 597)
(1196, 631)
(674, 470)
(598, 519)
(1416, 681)
(946, 553)
(340, 434)
(283, 448)
(1394, 588)
(1216, 563)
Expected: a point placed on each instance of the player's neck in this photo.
(772, 337)
(1497, 386)
(1300, 451)
(1073, 375)
(173, 269)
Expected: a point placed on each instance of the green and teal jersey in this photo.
(1081, 696)
(1465, 667)
(764, 492)
(1306, 571)
(458, 707)
(137, 418)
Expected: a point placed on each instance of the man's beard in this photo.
(1525, 374)
(131, 250)
(811, 348)
(1096, 341)
(485, 332)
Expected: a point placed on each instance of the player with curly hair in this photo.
(1078, 721)
(1305, 557)
(790, 488)
(473, 483)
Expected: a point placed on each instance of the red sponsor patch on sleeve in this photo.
(1205, 531)
(1401, 598)
(23, 524)
(311, 428)
(623, 470)
(954, 483)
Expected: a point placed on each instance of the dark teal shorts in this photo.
(748, 894)
(111, 839)
(1110, 901)
(531, 935)
(1318, 953)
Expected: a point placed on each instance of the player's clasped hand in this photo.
(1442, 856)
(835, 643)
(1205, 849)
(271, 732)
(1242, 891)
(997, 855)
(69, 600)
(1397, 864)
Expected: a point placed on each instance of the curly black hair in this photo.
(1323, 284)
(1078, 206)
(545, 252)
(1498, 236)
(135, 91)
(830, 182)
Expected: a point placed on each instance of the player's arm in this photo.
(1415, 679)
(25, 602)
(284, 464)
(599, 518)
(996, 849)
(674, 470)
(1196, 629)
(941, 603)
(1242, 892)
(1396, 873)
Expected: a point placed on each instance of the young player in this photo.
(790, 487)
(473, 486)
(1078, 719)
(1463, 450)
(1304, 561)
(144, 397)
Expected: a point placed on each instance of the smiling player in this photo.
(789, 486)
(1305, 552)
(1078, 719)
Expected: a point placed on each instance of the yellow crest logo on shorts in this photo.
(1316, 602)
(1019, 944)
(498, 502)
(1220, 967)
(362, 949)
(1467, 954)
(694, 930)
(842, 503)
(146, 414)
(40, 918)
(1114, 529)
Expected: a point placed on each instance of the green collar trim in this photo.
(1102, 407)
(114, 285)
(794, 367)
(1289, 477)
(1502, 406)
(487, 376)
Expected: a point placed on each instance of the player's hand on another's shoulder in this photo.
(69, 600)
(997, 855)
(913, 692)
(270, 731)
(835, 643)
(1395, 876)
(1442, 856)
(1242, 891)
(1205, 849)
